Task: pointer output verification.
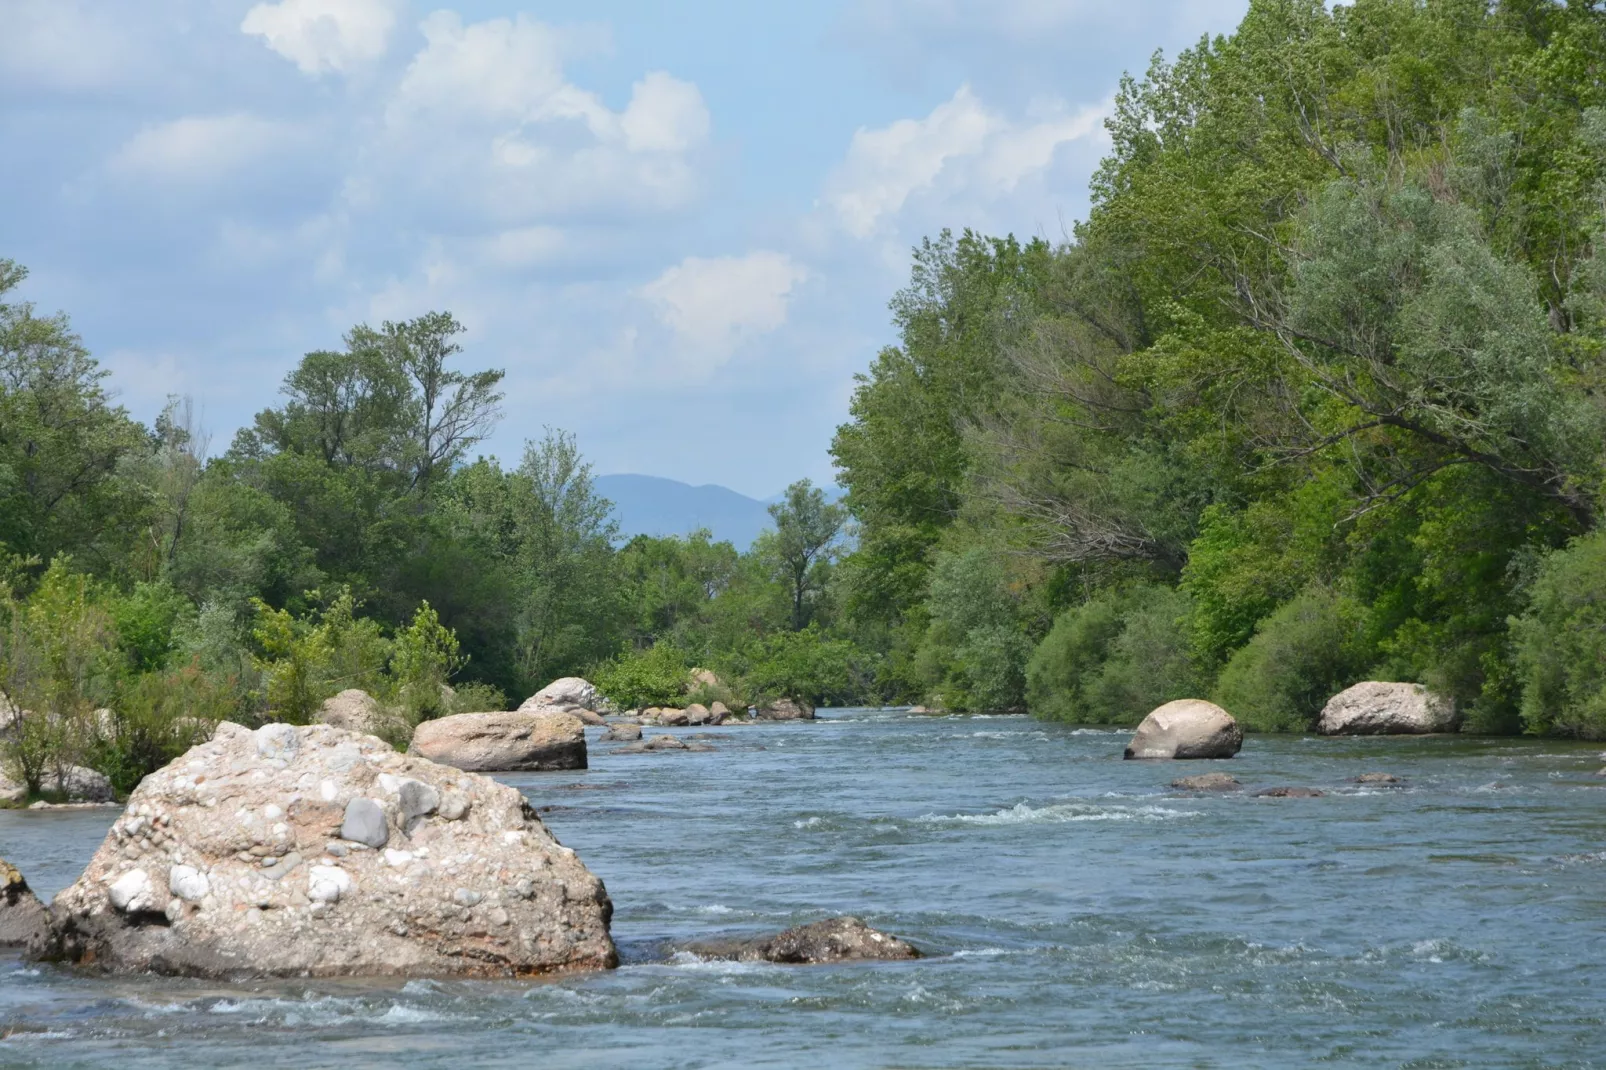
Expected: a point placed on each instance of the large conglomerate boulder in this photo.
(1187, 728)
(503, 742)
(1373, 708)
(319, 852)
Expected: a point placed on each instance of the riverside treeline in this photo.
(1312, 396)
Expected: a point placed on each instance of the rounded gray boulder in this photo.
(1187, 728)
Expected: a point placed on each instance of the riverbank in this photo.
(1080, 911)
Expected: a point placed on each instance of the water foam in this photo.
(1059, 813)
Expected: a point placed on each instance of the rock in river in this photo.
(1287, 793)
(77, 783)
(22, 916)
(1376, 709)
(1187, 728)
(786, 709)
(835, 940)
(1378, 778)
(1208, 782)
(622, 733)
(503, 742)
(568, 694)
(319, 852)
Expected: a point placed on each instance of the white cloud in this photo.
(962, 146)
(485, 126)
(714, 305)
(200, 149)
(323, 36)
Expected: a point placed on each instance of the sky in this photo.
(676, 226)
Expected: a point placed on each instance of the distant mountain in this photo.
(649, 505)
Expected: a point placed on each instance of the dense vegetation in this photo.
(1312, 396)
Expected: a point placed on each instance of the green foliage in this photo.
(1301, 655)
(305, 660)
(803, 546)
(1114, 658)
(975, 650)
(1561, 643)
(806, 666)
(638, 679)
(156, 717)
(424, 656)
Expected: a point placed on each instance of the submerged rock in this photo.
(22, 916)
(786, 709)
(1187, 728)
(1287, 793)
(1378, 778)
(1208, 782)
(320, 852)
(503, 742)
(569, 694)
(836, 940)
(1374, 709)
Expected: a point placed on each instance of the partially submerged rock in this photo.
(22, 916)
(1373, 709)
(786, 709)
(569, 694)
(622, 733)
(1378, 778)
(836, 940)
(1287, 793)
(319, 852)
(503, 742)
(1187, 728)
(1208, 782)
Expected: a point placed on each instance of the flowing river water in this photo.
(1077, 912)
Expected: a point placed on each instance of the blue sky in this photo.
(676, 226)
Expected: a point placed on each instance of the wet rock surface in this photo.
(786, 710)
(503, 742)
(22, 916)
(844, 939)
(1378, 778)
(1207, 782)
(320, 852)
(621, 733)
(1287, 793)
(1186, 729)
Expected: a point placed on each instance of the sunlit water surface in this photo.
(1077, 913)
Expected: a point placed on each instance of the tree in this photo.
(61, 441)
(570, 612)
(803, 544)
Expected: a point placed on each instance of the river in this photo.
(1077, 912)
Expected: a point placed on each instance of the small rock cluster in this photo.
(843, 939)
(321, 852)
(22, 916)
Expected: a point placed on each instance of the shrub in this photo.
(1300, 657)
(1114, 658)
(159, 716)
(804, 665)
(639, 678)
(1561, 643)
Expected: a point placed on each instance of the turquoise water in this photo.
(1078, 913)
